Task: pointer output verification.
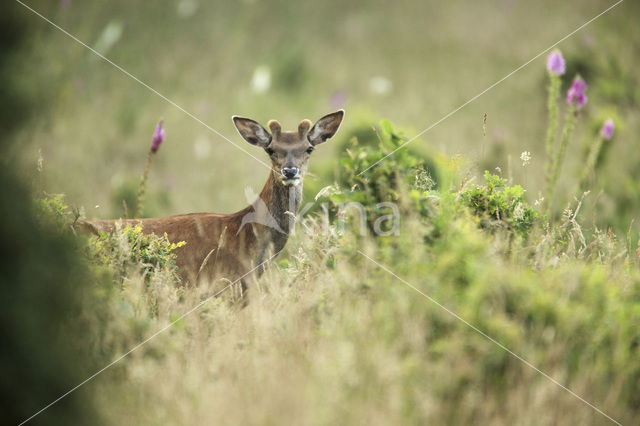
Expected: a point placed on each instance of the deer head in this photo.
(289, 152)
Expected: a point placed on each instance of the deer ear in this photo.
(252, 131)
(325, 128)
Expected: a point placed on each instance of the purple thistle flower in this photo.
(577, 92)
(158, 137)
(555, 63)
(579, 84)
(607, 129)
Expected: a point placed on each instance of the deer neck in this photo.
(282, 202)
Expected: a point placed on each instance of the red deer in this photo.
(230, 245)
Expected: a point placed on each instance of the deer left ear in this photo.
(325, 128)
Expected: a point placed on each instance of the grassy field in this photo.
(334, 333)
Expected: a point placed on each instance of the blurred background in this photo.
(410, 62)
(74, 124)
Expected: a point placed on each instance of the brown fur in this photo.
(230, 246)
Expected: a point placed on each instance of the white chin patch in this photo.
(291, 182)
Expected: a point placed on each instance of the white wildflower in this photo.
(202, 148)
(518, 212)
(261, 80)
(187, 8)
(380, 85)
(424, 181)
(526, 158)
(109, 36)
(567, 213)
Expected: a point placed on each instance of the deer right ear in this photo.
(252, 131)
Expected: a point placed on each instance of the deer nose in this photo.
(290, 172)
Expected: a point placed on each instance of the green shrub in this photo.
(499, 205)
(402, 178)
(53, 211)
(385, 180)
(128, 248)
(373, 187)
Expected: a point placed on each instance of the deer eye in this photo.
(309, 150)
(270, 151)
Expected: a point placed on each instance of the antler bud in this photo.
(304, 127)
(275, 128)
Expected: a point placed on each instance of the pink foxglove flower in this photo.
(555, 63)
(576, 92)
(158, 137)
(607, 129)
